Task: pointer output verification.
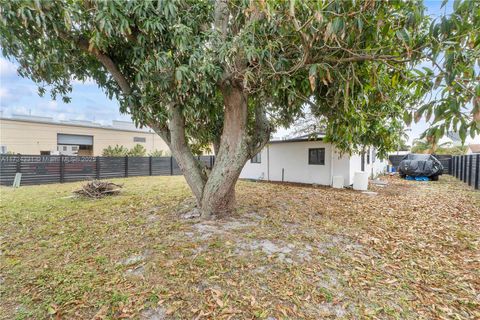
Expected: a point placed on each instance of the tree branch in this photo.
(108, 63)
(221, 17)
(173, 134)
(190, 166)
(361, 58)
(262, 130)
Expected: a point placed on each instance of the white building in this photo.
(304, 160)
(473, 148)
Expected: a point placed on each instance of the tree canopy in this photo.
(351, 61)
(227, 73)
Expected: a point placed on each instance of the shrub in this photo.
(158, 153)
(117, 151)
(137, 151)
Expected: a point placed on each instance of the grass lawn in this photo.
(291, 252)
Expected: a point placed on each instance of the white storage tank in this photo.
(360, 181)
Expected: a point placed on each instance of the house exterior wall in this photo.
(378, 167)
(27, 137)
(257, 171)
(341, 167)
(292, 157)
(374, 168)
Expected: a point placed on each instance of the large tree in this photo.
(226, 73)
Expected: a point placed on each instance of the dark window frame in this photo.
(140, 139)
(320, 156)
(256, 158)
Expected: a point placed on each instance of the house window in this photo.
(139, 139)
(316, 156)
(64, 148)
(374, 155)
(368, 156)
(257, 158)
(74, 148)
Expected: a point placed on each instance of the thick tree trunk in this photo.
(176, 140)
(219, 192)
(215, 193)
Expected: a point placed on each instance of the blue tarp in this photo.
(421, 178)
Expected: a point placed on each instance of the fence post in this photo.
(460, 171)
(465, 168)
(150, 165)
(97, 167)
(19, 164)
(470, 169)
(450, 165)
(126, 166)
(171, 165)
(456, 166)
(62, 169)
(459, 166)
(477, 172)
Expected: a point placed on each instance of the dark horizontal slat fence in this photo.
(54, 169)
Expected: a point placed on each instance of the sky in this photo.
(19, 96)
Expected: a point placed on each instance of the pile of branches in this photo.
(98, 189)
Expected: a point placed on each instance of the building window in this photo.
(64, 148)
(374, 155)
(3, 149)
(316, 156)
(368, 156)
(257, 158)
(139, 139)
(74, 148)
(44, 153)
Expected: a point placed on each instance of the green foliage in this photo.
(120, 151)
(452, 150)
(402, 145)
(116, 151)
(358, 65)
(432, 146)
(137, 151)
(426, 146)
(158, 153)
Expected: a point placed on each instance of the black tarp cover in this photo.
(418, 165)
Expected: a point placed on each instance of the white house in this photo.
(310, 161)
